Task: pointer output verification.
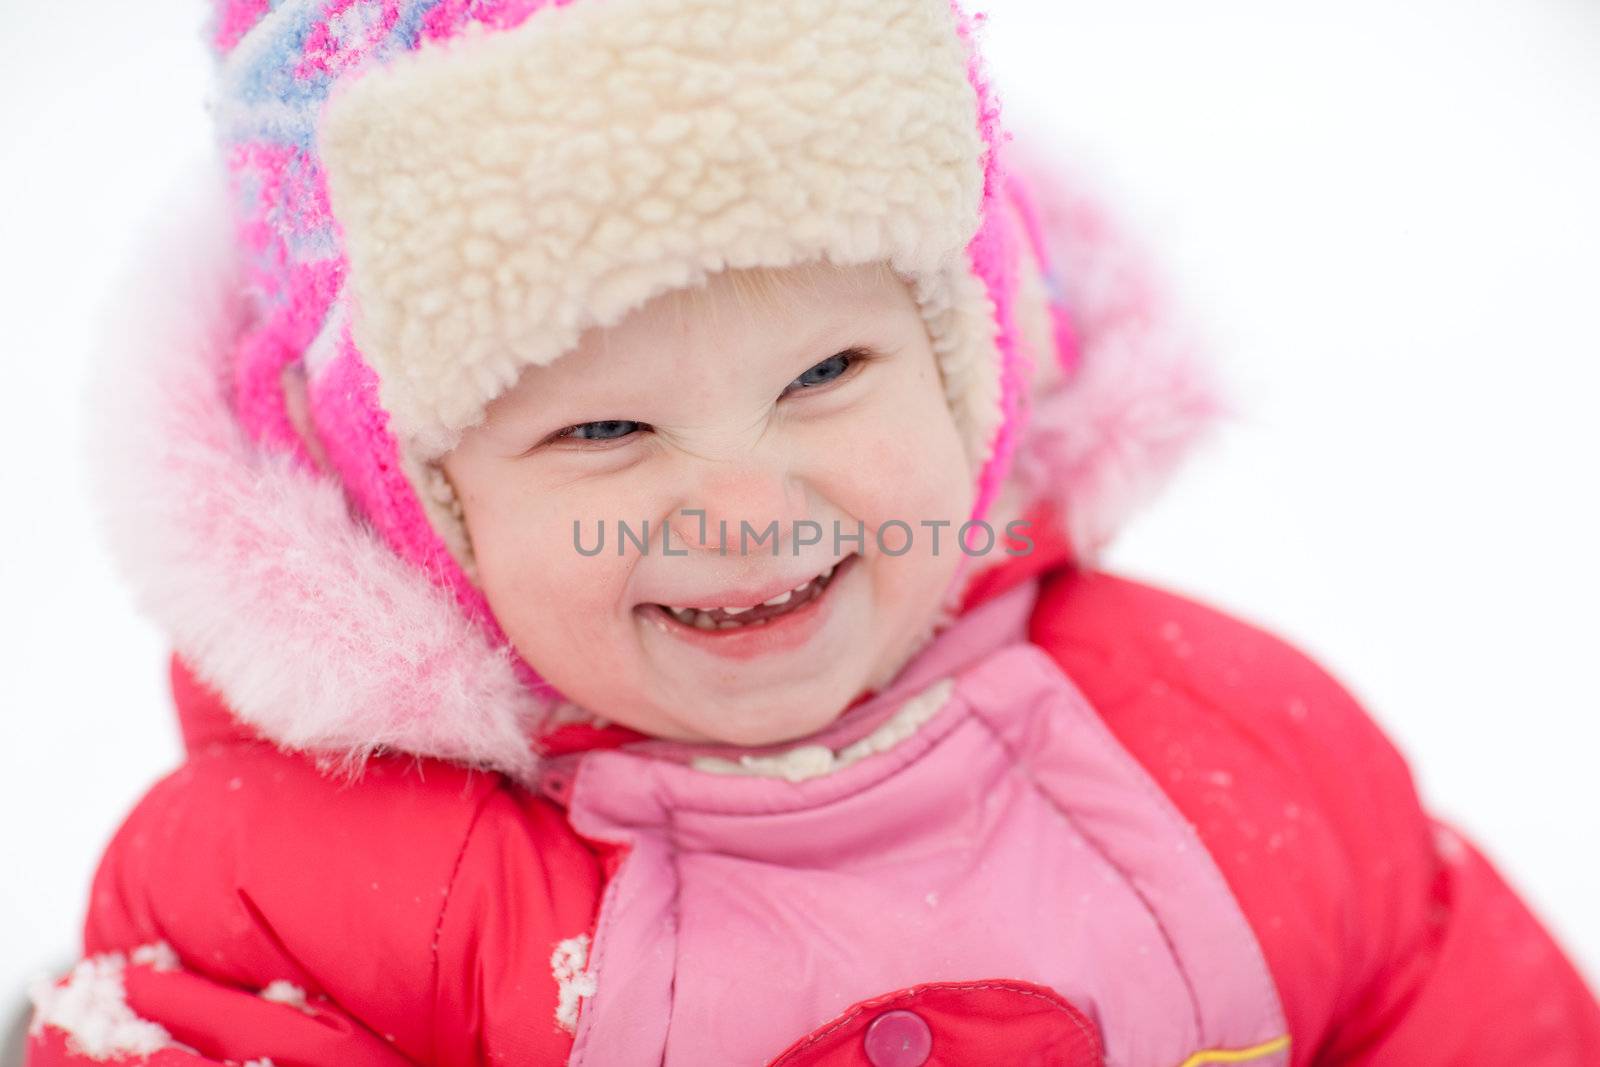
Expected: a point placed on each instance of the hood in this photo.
(318, 637)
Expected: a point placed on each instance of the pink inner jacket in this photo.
(1010, 836)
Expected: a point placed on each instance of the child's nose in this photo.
(760, 501)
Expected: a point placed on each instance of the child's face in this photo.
(753, 408)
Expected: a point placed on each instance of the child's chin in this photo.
(764, 726)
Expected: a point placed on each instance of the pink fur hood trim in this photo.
(316, 634)
(321, 639)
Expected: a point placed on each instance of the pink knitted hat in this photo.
(439, 193)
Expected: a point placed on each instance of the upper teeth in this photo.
(688, 614)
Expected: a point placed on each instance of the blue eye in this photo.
(606, 430)
(830, 369)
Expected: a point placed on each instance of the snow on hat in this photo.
(437, 194)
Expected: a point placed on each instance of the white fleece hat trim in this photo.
(503, 191)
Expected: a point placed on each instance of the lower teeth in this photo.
(703, 621)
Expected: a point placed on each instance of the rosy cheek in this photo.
(916, 471)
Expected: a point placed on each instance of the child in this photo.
(626, 523)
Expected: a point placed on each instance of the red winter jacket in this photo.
(259, 906)
(417, 909)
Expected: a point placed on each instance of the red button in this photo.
(898, 1039)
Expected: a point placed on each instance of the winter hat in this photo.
(437, 194)
(260, 462)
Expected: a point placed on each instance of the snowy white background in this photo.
(1384, 218)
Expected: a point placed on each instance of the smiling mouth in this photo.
(721, 619)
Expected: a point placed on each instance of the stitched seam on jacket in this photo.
(1021, 767)
(606, 911)
(438, 925)
(1269, 1000)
